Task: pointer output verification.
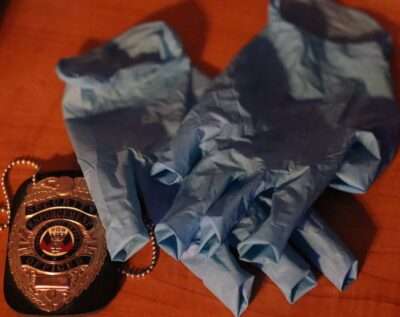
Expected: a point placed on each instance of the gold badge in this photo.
(57, 245)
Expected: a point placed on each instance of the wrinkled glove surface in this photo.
(121, 101)
(294, 113)
(125, 100)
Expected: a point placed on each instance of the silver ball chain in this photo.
(17, 162)
(141, 273)
(127, 271)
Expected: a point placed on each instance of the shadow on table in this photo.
(58, 163)
(189, 22)
(3, 8)
(350, 220)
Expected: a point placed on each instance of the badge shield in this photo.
(57, 248)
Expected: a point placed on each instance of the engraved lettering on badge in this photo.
(42, 281)
(57, 243)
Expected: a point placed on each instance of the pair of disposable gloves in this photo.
(237, 162)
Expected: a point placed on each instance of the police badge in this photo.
(57, 261)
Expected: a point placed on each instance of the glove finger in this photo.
(371, 150)
(198, 191)
(291, 274)
(294, 193)
(324, 249)
(222, 275)
(180, 155)
(226, 212)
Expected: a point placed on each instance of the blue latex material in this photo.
(114, 122)
(294, 113)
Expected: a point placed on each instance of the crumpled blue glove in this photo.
(294, 113)
(121, 101)
(119, 111)
(108, 129)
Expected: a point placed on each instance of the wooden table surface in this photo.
(34, 34)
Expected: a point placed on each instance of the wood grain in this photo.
(34, 34)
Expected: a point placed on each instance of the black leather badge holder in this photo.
(57, 262)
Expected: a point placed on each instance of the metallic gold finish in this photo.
(57, 243)
(56, 252)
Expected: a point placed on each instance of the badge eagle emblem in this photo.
(56, 245)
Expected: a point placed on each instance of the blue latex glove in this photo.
(114, 120)
(121, 101)
(141, 76)
(294, 113)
